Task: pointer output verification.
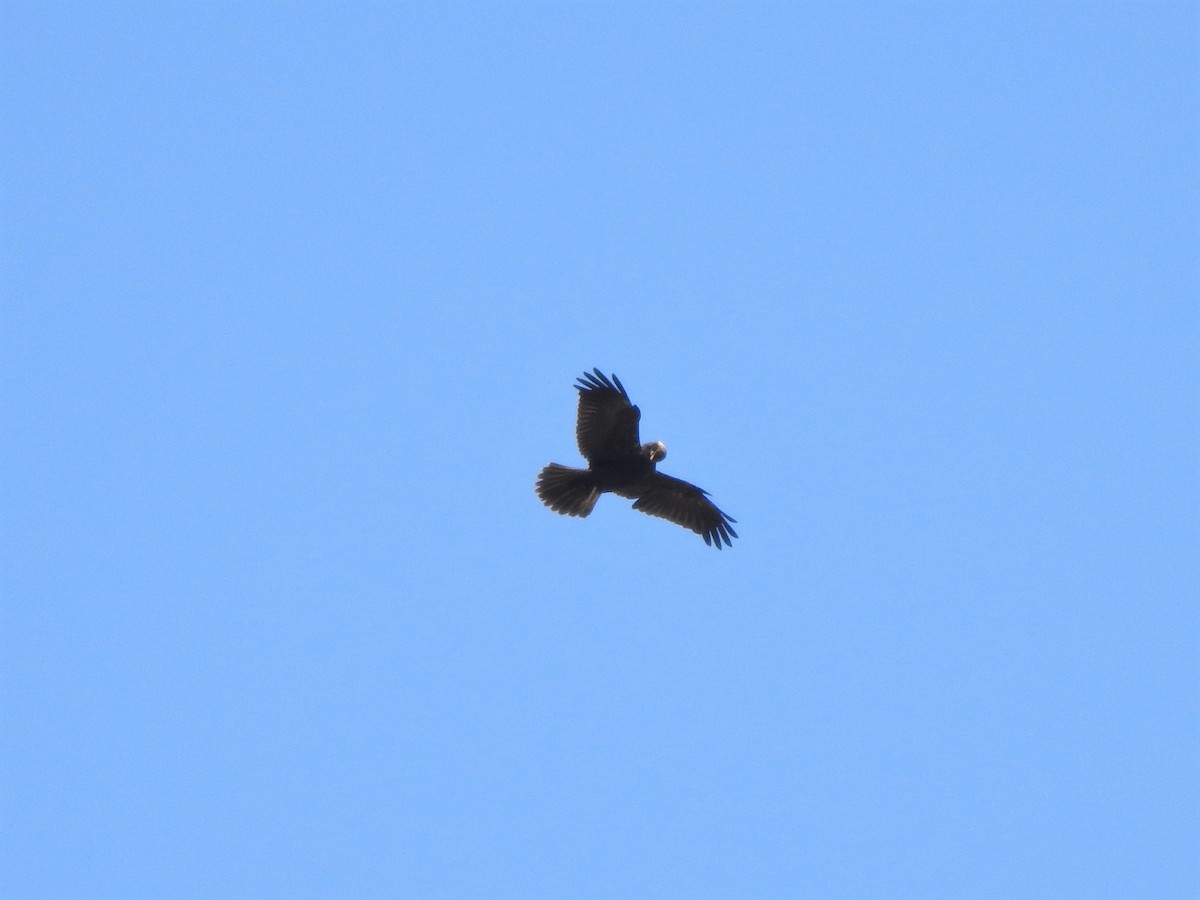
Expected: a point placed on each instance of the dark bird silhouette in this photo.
(607, 434)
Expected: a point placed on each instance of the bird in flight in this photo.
(607, 433)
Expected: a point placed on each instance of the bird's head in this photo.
(655, 451)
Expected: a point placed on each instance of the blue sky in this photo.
(294, 297)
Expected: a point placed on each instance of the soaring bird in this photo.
(607, 434)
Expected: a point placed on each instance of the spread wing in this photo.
(607, 426)
(687, 505)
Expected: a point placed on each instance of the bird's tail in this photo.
(571, 492)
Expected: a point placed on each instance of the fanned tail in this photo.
(570, 492)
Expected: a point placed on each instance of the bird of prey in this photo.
(607, 434)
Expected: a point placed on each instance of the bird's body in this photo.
(607, 433)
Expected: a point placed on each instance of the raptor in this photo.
(607, 433)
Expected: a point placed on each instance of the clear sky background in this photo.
(293, 299)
